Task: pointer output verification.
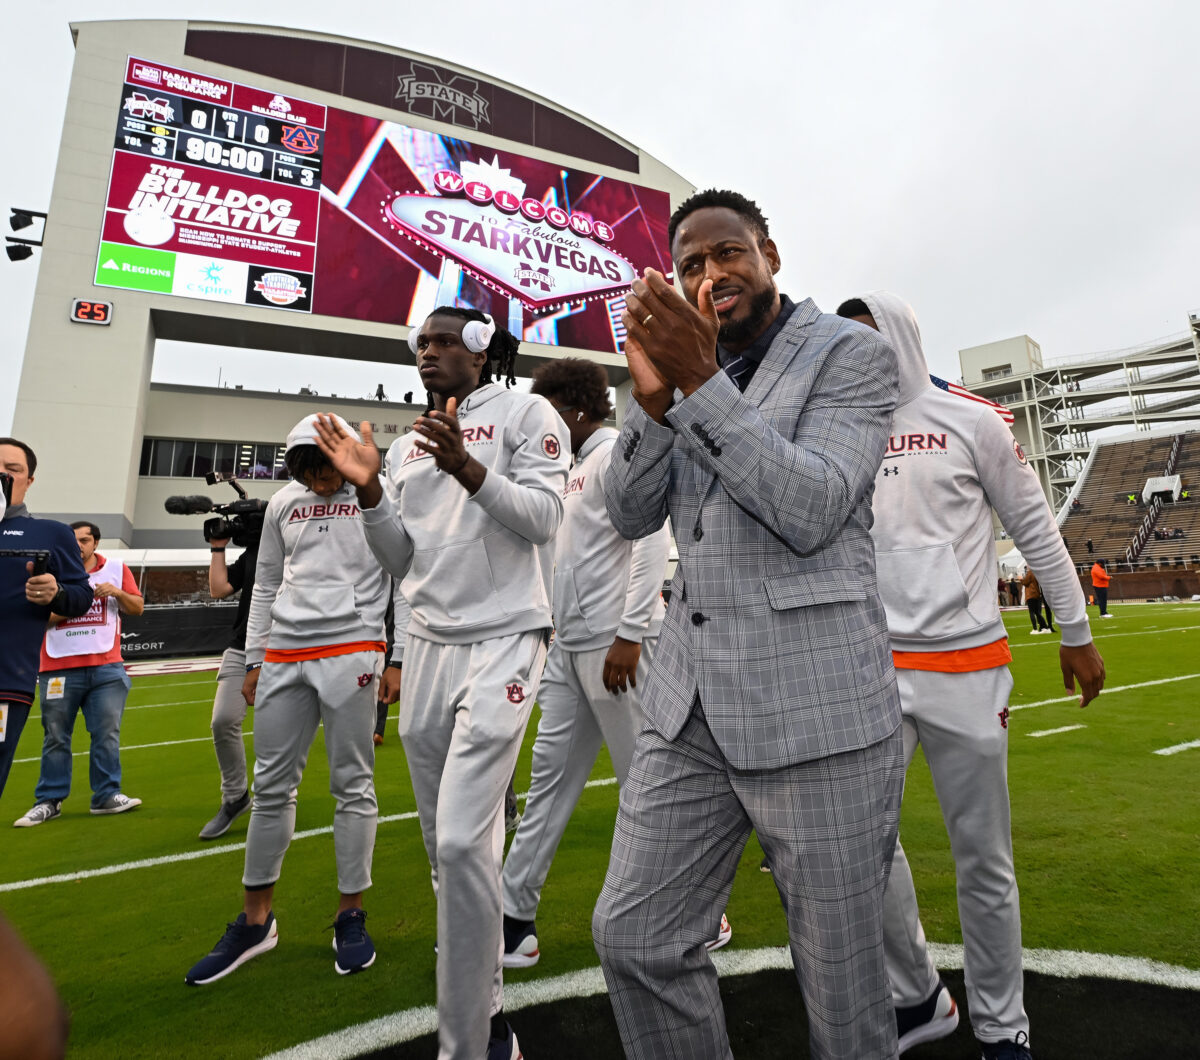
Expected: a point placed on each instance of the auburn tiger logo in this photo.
(516, 694)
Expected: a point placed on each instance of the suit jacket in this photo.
(774, 618)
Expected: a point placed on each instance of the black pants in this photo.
(1101, 599)
(18, 714)
(380, 717)
(1035, 612)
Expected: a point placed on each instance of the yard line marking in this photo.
(399, 1027)
(1113, 636)
(171, 684)
(1176, 748)
(1106, 692)
(131, 747)
(208, 852)
(1055, 732)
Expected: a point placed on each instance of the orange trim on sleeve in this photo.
(327, 651)
(963, 661)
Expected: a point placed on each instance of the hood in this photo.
(481, 396)
(898, 324)
(305, 432)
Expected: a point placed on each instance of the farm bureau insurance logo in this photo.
(456, 100)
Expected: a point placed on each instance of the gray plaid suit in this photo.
(771, 703)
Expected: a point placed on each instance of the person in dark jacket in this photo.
(26, 598)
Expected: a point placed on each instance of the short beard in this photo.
(743, 332)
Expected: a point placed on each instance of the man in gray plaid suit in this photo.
(758, 425)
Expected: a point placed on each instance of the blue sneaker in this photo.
(933, 1018)
(505, 1048)
(240, 942)
(520, 943)
(354, 948)
(1014, 1049)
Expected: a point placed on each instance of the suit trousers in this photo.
(228, 714)
(961, 723)
(578, 715)
(463, 712)
(828, 827)
(293, 698)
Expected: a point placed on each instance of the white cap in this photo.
(305, 432)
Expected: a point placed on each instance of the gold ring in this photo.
(649, 317)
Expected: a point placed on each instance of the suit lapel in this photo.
(783, 350)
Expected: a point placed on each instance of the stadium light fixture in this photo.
(20, 218)
(20, 249)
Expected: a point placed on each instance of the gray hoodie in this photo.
(949, 460)
(316, 583)
(604, 585)
(476, 566)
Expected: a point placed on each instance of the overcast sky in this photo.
(1028, 167)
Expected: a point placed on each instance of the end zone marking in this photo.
(413, 1023)
(1176, 748)
(1055, 732)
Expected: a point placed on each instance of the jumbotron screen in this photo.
(229, 193)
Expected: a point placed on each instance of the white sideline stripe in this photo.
(1176, 748)
(1055, 732)
(1106, 692)
(208, 852)
(413, 1023)
(1113, 636)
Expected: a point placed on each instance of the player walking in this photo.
(313, 643)
(948, 461)
(465, 515)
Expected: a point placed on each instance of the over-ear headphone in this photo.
(476, 334)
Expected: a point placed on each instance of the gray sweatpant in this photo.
(463, 711)
(293, 697)
(960, 721)
(578, 714)
(228, 714)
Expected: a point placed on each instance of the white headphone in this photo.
(476, 334)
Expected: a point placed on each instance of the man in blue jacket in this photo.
(26, 599)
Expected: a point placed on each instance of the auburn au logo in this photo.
(299, 140)
(516, 694)
(551, 447)
(364, 680)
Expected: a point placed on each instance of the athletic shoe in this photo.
(724, 934)
(932, 1019)
(240, 942)
(512, 816)
(353, 946)
(226, 815)
(764, 865)
(1106, 615)
(1014, 1049)
(117, 803)
(505, 1048)
(520, 943)
(40, 814)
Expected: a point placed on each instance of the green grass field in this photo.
(1107, 838)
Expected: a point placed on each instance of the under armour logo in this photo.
(890, 471)
(1003, 716)
(364, 680)
(516, 694)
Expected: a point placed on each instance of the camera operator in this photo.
(27, 598)
(229, 707)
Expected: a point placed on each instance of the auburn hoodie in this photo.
(604, 585)
(475, 566)
(317, 583)
(949, 460)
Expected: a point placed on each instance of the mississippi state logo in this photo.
(1019, 453)
(364, 680)
(551, 447)
(516, 694)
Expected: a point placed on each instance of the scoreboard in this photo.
(214, 190)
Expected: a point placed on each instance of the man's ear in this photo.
(771, 251)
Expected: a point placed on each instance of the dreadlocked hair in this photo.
(575, 382)
(303, 460)
(501, 351)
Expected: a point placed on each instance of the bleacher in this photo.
(1184, 515)
(1105, 514)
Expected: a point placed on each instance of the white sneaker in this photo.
(1106, 615)
(117, 803)
(934, 1018)
(724, 934)
(40, 814)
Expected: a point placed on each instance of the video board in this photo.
(230, 193)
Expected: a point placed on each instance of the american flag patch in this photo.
(953, 388)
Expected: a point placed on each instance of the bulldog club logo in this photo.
(516, 694)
